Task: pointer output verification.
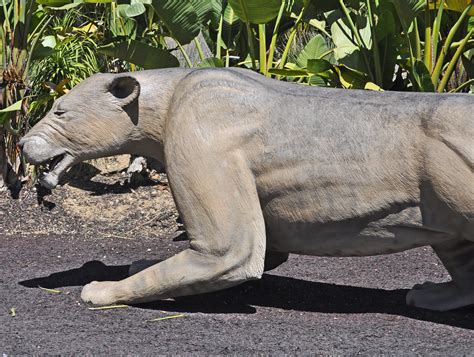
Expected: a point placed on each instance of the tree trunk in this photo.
(190, 49)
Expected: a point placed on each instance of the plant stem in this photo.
(417, 39)
(251, 45)
(413, 72)
(3, 45)
(6, 13)
(185, 55)
(354, 29)
(271, 52)
(447, 44)
(470, 44)
(36, 29)
(227, 58)
(428, 32)
(453, 62)
(219, 38)
(34, 43)
(243, 5)
(375, 46)
(230, 18)
(436, 31)
(291, 38)
(359, 40)
(263, 48)
(462, 86)
(199, 48)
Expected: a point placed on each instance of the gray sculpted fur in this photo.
(260, 168)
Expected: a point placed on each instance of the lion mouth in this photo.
(56, 167)
(39, 151)
(55, 161)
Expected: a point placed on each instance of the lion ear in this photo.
(125, 88)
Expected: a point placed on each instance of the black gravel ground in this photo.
(307, 306)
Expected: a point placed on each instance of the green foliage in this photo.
(139, 53)
(408, 45)
(72, 57)
(22, 27)
(256, 11)
(180, 18)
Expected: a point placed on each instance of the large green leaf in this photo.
(316, 48)
(468, 62)
(211, 62)
(351, 78)
(69, 4)
(407, 10)
(54, 3)
(344, 39)
(6, 113)
(288, 72)
(139, 53)
(41, 52)
(134, 9)
(423, 78)
(386, 25)
(317, 66)
(121, 24)
(180, 17)
(49, 41)
(317, 81)
(215, 13)
(203, 8)
(388, 59)
(314, 8)
(256, 11)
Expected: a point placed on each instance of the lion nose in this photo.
(34, 149)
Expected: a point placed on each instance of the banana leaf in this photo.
(180, 17)
(139, 53)
(256, 11)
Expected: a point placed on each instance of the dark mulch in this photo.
(91, 230)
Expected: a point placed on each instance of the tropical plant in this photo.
(380, 44)
(374, 44)
(22, 26)
(71, 42)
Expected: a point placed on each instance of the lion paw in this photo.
(440, 296)
(101, 293)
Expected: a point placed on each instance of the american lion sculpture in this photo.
(260, 168)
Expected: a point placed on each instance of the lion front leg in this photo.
(222, 215)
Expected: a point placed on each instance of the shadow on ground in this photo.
(271, 291)
(80, 176)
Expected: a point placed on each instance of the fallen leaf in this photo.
(108, 307)
(12, 312)
(166, 318)
(50, 290)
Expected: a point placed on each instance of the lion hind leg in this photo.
(458, 257)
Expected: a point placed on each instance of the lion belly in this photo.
(340, 231)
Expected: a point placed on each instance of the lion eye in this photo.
(59, 112)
